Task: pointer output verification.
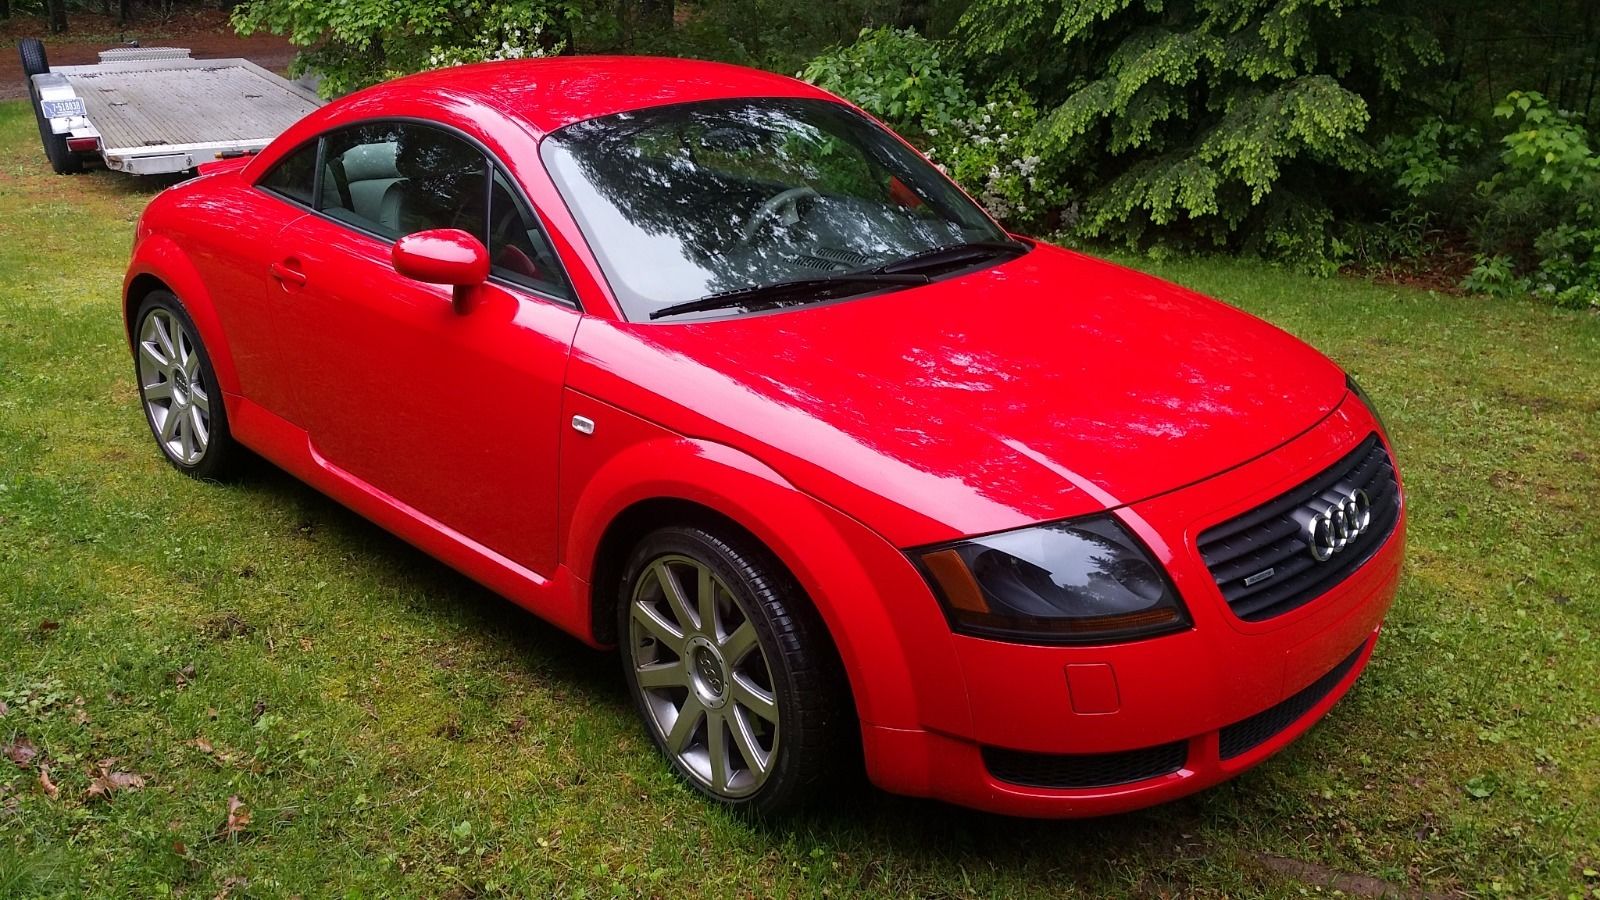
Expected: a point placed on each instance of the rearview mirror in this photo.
(443, 256)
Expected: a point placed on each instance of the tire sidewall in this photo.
(754, 602)
(219, 447)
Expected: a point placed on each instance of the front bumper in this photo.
(1140, 723)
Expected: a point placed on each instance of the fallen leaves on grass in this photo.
(21, 751)
(109, 782)
(4, 708)
(49, 625)
(183, 676)
(45, 784)
(238, 819)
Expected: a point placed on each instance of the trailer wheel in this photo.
(34, 62)
(62, 160)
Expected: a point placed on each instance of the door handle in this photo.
(287, 273)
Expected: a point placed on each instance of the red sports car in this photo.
(705, 364)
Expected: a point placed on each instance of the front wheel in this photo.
(178, 389)
(731, 669)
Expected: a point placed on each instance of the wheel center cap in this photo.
(180, 385)
(709, 675)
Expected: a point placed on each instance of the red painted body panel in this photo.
(838, 434)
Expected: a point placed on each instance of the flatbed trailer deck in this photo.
(154, 110)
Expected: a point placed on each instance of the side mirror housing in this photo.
(443, 256)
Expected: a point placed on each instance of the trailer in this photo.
(156, 110)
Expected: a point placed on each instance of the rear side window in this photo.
(294, 175)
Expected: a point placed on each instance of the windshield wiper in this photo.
(949, 253)
(769, 292)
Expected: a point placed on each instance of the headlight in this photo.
(1087, 581)
(1355, 388)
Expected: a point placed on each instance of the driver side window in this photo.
(394, 179)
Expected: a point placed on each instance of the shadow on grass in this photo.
(454, 599)
(856, 817)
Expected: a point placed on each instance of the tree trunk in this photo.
(58, 16)
(124, 11)
(5, 9)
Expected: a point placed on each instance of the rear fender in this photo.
(158, 258)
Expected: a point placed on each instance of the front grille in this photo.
(1267, 546)
(1250, 733)
(1085, 770)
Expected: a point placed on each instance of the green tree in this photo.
(1226, 122)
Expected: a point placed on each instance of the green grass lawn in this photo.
(392, 729)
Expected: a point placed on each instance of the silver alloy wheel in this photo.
(175, 394)
(704, 678)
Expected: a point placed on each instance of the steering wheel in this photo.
(784, 202)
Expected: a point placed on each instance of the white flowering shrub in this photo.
(988, 144)
(355, 43)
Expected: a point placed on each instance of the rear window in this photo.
(294, 175)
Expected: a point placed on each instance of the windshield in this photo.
(680, 203)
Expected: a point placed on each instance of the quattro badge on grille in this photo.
(1337, 526)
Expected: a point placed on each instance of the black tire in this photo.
(221, 455)
(814, 744)
(62, 160)
(34, 61)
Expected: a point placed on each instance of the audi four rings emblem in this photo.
(1336, 527)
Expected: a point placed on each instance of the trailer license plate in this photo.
(55, 109)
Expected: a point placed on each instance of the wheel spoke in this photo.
(149, 351)
(683, 727)
(705, 593)
(659, 628)
(161, 390)
(198, 430)
(674, 593)
(717, 748)
(744, 735)
(738, 644)
(198, 398)
(662, 675)
(758, 701)
(185, 435)
(169, 425)
(164, 337)
(191, 359)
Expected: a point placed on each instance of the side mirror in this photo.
(443, 256)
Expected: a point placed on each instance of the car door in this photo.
(453, 415)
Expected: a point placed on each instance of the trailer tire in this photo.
(62, 160)
(34, 62)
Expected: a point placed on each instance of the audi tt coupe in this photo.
(706, 365)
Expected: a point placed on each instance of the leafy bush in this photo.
(1234, 123)
(355, 44)
(988, 144)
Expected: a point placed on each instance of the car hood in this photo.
(1050, 386)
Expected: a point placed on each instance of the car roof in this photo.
(550, 93)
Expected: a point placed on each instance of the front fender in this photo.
(159, 257)
(896, 648)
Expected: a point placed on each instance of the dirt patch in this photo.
(206, 32)
(1344, 882)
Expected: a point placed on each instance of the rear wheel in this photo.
(178, 390)
(731, 669)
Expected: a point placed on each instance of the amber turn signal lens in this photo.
(955, 579)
